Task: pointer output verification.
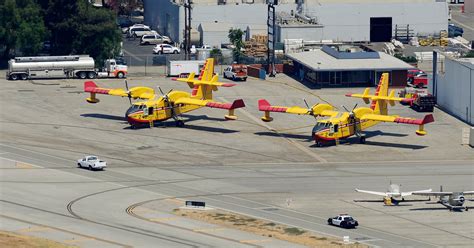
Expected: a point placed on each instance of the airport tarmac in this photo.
(265, 170)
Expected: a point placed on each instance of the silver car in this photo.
(153, 39)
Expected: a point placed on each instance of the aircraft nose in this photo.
(461, 199)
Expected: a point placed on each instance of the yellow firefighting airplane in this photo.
(172, 104)
(341, 125)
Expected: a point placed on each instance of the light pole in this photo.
(271, 37)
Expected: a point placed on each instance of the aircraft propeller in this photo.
(129, 94)
(351, 113)
(310, 110)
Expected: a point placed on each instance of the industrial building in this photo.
(453, 86)
(342, 20)
(347, 66)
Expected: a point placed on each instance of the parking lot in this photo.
(264, 170)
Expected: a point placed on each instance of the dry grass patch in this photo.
(264, 228)
(12, 240)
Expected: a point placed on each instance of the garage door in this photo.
(380, 29)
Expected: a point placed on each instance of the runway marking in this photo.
(174, 200)
(291, 141)
(164, 219)
(34, 229)
(22, 165)
(217, 229)
(253, 241)
(73, 240)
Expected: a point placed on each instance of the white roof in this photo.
(319, 60)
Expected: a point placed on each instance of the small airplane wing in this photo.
(418, 191)
(135, 92)
(468, 193)
(239, 103)
(432, 193)
(316, 110)
(211, 104)
(372, 192)
(393, 118)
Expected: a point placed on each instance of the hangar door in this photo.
(380, 29)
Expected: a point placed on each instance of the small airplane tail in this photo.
(380, 107)
(206, 83)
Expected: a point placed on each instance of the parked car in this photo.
(92, 163)
(153, 39)
(137, 31)
(343, 220)
(126, 29)
(415, 73)
(236, 71)
(165, 49)
(454, 31)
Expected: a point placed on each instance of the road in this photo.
(270, 171)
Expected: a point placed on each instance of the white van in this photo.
(139, 31)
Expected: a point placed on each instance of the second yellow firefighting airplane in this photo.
(171, 105)
(341, 125)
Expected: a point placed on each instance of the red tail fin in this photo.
(89, 86)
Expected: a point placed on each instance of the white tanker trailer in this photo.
(73, 66)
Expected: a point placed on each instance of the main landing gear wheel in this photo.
(180, 123)
(362, 140)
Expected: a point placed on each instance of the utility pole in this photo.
(271, 37)
(187, 27)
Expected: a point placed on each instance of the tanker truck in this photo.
(72, 66)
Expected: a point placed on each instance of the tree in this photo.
(78, 28)
(235, 37)
(21, 27)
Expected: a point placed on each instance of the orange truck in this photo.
(236, 72)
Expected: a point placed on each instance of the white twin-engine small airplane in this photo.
(393, 194)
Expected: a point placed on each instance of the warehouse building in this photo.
(347, 66)
(454, 87)
(343, 20)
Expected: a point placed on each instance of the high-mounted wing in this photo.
(315, 110)
(468, 193)
(417, 191)
(433, 193)
(371, 192)
(393, 118)
(239, 103)
(145, 93)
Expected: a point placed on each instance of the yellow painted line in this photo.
(142, 210)
(209, 229)
(174, 200)
(163, 219)
(71, 241)
(34, 229)
(255, 241)
(24, 165)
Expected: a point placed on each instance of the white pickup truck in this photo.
(92, 162)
